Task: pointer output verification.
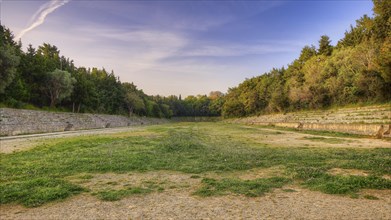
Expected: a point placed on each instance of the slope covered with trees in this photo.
(356, 70)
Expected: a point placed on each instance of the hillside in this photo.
(355, 70)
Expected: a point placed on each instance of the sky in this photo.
(181, 47)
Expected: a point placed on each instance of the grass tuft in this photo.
(251, 188)
(35, 192)
(115, 195)
(371, 197)
(346, 184)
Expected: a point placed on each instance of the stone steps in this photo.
(19, 121)
(367, 120)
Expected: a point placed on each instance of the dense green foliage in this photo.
(44, 173)
(356, 70)
(8, 58)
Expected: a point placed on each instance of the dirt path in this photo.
(24, 142)
(276, 137)
(266, 135)
(300, 204)
(289, 202)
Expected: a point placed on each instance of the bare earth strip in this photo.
(281, 138)
(301, 204)
(296, 139)
(25, 142)
(290, 202)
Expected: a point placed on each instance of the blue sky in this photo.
(181, 47)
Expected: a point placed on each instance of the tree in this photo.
(324, 46)
(306, 53)
(215, 95)
(50, 56)
(59, 86)
(9, 59)
(232, 106)
(84, 94)
(382, 25)
(216, 103)
(133, 101)
(356, 35)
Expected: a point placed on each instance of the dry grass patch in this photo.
(256, 173)
(353, 172)
(347, 172)
(154, 181)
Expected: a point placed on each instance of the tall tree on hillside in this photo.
(356, 35)
(306, 53)
(325, 47)
(382, 34)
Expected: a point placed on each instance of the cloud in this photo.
(139, 46)
(231, 50)
(40, 15)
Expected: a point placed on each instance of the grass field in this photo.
(42, 174)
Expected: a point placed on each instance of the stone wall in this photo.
(18, 121)
(371, 120)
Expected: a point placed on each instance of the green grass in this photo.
(371, 197)
(249, 188)
(39, 175)
(36, 191)
(114, 195)
(86, 177)
(317, 179)
(289, 190)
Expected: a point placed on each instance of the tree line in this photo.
(356, 70)
(42, 78)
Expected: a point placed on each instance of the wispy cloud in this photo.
(235, 50)
(40, 15)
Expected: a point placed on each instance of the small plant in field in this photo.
(112, 183)
(371, 197)
(289, 190)
(86, 177)
(114, 195)
(195, 176)
(250, 188)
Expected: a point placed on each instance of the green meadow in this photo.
(41, 174)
